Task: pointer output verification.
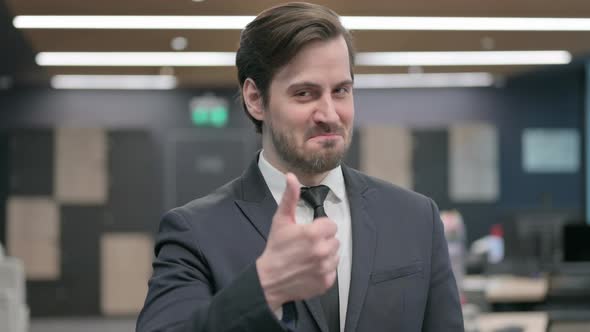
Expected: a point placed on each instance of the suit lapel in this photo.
(258, 206)
(255, 200)
(315, 308)
(259, 214)
(364, 237)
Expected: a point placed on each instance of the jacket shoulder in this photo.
(220, 199)
(391, 192)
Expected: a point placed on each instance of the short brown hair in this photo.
(275, 37)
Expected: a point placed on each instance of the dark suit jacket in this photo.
(205, 276)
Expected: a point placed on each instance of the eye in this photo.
(303, 93)
(342, 91)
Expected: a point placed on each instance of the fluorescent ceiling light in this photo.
(114, 82)
(429, 80)
(196, 59)
(132, 22)
(478, 58)
(466, 23)
(351, 22)
(141, 59)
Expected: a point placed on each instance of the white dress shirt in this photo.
(337, 208)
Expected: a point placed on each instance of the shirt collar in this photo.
(275, 180)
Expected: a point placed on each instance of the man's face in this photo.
(309, 118)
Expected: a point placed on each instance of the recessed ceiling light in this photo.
(179, 43)
(351, 22)
(415, 70)
(166, 70)
(114, 82)
(488, 43)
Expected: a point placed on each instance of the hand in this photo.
(299, 261)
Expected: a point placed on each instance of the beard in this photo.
(328, 157)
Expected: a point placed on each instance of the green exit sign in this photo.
(209, 111)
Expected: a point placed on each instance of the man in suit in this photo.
(301, 242)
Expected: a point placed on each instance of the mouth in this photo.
(326, 140)
(325, 136)
(326, 133)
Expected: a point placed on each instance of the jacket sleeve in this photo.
(181, 295)
(443, 308)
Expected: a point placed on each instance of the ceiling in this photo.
(578, 43)
(16, 56)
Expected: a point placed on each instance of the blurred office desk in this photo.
(506, 292)
(569, 298)
(570, 286)
(527, 321)
(512, 289)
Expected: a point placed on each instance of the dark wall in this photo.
(145, 126)
(140, 127)
(162, 114)
(16, 56)
(155, 110)
(547, 99)
(4, 181)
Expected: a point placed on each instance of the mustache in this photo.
(324, 128)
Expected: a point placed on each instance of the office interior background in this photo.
(89, 163)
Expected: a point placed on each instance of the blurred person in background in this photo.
(301, 242)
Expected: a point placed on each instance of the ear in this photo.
(253, 99)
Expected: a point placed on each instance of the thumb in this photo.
(288, 205)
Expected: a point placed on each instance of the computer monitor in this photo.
(533, 241)
(576, 243)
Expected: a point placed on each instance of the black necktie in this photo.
(315, 196)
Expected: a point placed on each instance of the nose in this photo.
(326, 110)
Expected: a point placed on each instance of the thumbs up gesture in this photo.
(299, 261)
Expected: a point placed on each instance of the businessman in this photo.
(301, 242)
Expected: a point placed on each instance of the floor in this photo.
(82, 325)
(128, 325)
